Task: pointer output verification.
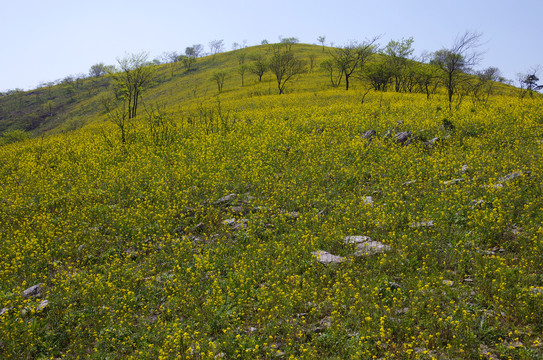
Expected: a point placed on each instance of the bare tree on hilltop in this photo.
(353, 56)
(457, 60)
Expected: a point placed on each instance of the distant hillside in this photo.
(73, 102)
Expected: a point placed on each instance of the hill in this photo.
(320, 223)
(74, 101)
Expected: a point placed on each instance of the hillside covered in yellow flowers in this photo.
(319, 223)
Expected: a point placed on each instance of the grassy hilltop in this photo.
(199, 237)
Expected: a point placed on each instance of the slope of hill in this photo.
(73, 102)
(249, 225)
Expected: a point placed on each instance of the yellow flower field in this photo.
(140, 255)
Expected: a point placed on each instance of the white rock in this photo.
(365, 245)
(327, 258)
(407, 183)
(42, 305)
(357, 239)
(33, 291)
(370, 248)
(229, 222)
(429, 223)
(368, 200)
(510, 177)
(453, 181)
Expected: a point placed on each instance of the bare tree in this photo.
(187, 61)
(242, 69)
(218, 77)
(284, 65)
(353, 56)
(258, 66)
(195, 50)
(483, 86)
(329, 66)
(289, 41)
(457, 60)
(132, 78)
(379, 74)
(528, 81)
(97, 70)
(312, 59)
(398, 53)
(216, 47)
(322, 40)
(169, 57)
(241, 58)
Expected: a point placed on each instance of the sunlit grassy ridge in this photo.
(70, 103)
(137, 261)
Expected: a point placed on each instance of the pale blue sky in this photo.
(45, 40)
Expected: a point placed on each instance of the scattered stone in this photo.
(402, 137)
(487, 352)
(326, 322)
(514, 344)
(357, 239)
(4, 310)
(131, 254)
(407, 183)
(195, 240)
(468, 280)
(238, 209)
(323, 212)
(368, 200)
(226, 200)
(448, 282)
(326, 258)
(365, 245)
(402, 311)
(534, 290)
(368, 135)
(294, 215)
(394, 285)
(229, 222)
(510, 177)
(480, 203)
(252, 329)
(464, 169)
(496, 250)
(236, 224)
(34, 291)
(42, 305)
(453, 181)
(504, 179)
(433, 141)
(428, 223)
